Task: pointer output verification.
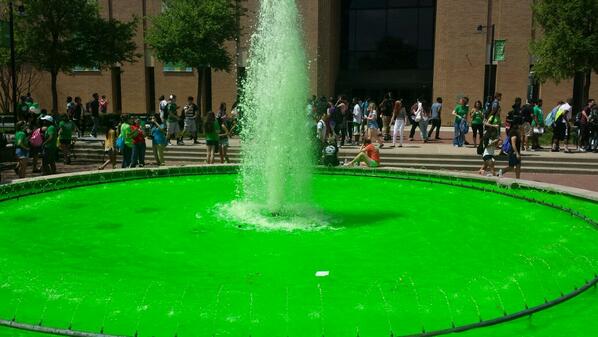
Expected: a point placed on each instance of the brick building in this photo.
(415, 48)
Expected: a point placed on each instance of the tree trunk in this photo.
(54, 75)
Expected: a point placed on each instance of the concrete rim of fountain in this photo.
(502, 186)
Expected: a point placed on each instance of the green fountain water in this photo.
(276, 166)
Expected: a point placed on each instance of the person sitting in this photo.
(368, 155)
(330, 153)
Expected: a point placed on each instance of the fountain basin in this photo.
(153, 252)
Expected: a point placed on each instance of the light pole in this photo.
(490, 71)
(13, 61)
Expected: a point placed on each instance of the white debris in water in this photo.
(322, 273)
(198, 216)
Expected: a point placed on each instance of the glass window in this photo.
(387, 34)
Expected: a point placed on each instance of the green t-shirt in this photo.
(125, 133)
(21, 137)
(67, 130)
(172, 115)
(461, 112)
(50, 137)
(477, 117)
(214, 135)
(539, 115)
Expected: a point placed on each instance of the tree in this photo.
(567, 48)
(193, 33)
(60, 35)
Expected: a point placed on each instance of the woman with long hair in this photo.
(212, 128)
(399, 119)
(373, 126)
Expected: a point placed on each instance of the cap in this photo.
(47, 118)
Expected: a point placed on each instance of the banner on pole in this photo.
(499, 50)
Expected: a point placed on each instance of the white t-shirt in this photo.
(568, 110)
(357, 115)
(321, 130)
(489, 150)
(163, 104)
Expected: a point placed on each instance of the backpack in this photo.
(36, 138)
(550, 118)
(506, 146)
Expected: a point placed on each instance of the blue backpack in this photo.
(506, 145)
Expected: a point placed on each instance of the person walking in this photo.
(21, 149)
(398, 122)
(461, 111)
(477, 122)
(436, 118)
(514, 152)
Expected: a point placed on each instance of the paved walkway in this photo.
(443, 147)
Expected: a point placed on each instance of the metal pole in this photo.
(13, 61)
(492, 86)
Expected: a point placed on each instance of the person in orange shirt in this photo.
(368, 155)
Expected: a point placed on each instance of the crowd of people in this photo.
(341, 123)
(338, 122)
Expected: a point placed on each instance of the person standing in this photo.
(386, 109)
(110, 147)
(70, 108)
(94, 106)
(514, 152)
(225, 128)
(191, 111)
(423, 115)
(173, 120)
(561, 126)
(461, 111)
(65, 135)
(477, 122)
(398, 121)
(212, 128)
(537, 125)
(357, 119)
(103, 104)
(436, 118)
(36, 141)
(584, 126)
(127, 141)
(139, 147)
(162, 103)
(158, 131)
(373, 126)
(21, 149)
(341, 119)
(321, 132)
(49, 146)
(78, 117)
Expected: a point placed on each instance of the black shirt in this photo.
(95, 108)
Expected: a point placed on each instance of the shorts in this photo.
(560, 131)
(212, 142)
(477, 128)
(528, 131)
(488, 158)
(223, 142)
(190, 125)
(21, 153)
(65, 141)
(373, 164)
(173, 128)
(513, 161)
(356, 128)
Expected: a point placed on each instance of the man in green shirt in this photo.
(172, 125)
(538, 125)
(65, 136)
(127, 136)
(461, 111)
(49, 146)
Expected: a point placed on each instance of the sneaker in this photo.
(500, 173)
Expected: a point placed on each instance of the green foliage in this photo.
(193, 32)
(570, 37)
(62, 34)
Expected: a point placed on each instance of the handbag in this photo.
(539, 130)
